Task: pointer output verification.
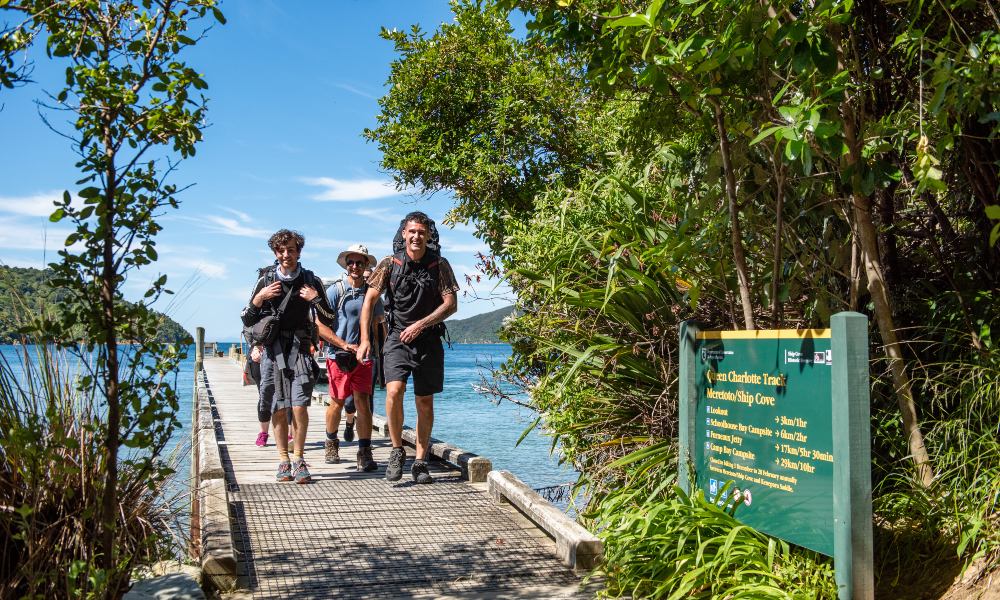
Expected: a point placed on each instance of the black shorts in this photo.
(424, 359)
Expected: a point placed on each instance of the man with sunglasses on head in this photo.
(420, 292)
(348, 376)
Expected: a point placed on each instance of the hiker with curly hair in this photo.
(286, 303)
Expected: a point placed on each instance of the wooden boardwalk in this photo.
(355, 535)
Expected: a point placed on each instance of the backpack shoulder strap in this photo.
(396, 269)
(342, 287)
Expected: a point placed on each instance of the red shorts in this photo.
(343, 384)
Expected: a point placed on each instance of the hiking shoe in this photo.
(394, 470)
(332, 451)
(366, 462)
(302, 472)
(261, 439)
(284, 471)
(420, 472)
(348, 432)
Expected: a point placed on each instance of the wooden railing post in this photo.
(199, 349)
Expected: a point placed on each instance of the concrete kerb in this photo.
(209, 457)
(576, 547)
(218, 557)
(474, 467)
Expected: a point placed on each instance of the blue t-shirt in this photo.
(349, 316)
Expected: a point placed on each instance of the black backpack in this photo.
(270, 275)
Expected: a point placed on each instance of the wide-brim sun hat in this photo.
(356, 249)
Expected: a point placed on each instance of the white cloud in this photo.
(239, 226)
(343, 190)
(38, 205)
(21, 235)
(350, 88)
(239, 214)
(382, 215)
(211, 270)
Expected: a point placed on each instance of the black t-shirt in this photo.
(414, 292)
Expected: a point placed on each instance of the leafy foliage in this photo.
(758, 163)
(53, 460)
(475, 111)
(138, 107)
(665, 544)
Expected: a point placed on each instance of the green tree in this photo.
(477, 112)
(137, 108)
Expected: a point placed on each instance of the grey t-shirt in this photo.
(349, 316)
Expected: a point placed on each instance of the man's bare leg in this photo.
(425, 422)
(301, 416)
(363, 416)
(279, 424)
(394, 411)
(331, 444)
(394, 416)
(333, 413)
(363, 419)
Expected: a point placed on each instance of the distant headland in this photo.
(480, 329)
(31, 286)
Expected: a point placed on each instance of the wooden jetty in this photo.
(474, 533)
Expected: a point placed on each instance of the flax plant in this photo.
(662, 543)
(51, 482)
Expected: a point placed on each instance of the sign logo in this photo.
(707, 355)
(823, 357)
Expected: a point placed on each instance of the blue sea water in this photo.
(465, 418)
(462, 416)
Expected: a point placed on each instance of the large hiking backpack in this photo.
(342, 288)
(270, 275)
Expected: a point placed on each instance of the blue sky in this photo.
(292, 85)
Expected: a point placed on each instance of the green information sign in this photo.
(778, 422)
(764, 422)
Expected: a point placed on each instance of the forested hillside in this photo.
(480, 329)
(26, 291)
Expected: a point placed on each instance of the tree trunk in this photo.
(867, 235)
(779, 206)
(855, 291)
(739, 257)
(109, 505)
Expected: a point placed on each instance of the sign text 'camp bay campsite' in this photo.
(776, 422)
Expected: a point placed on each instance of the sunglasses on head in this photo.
(354, 263)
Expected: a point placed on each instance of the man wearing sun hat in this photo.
(348, 376)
